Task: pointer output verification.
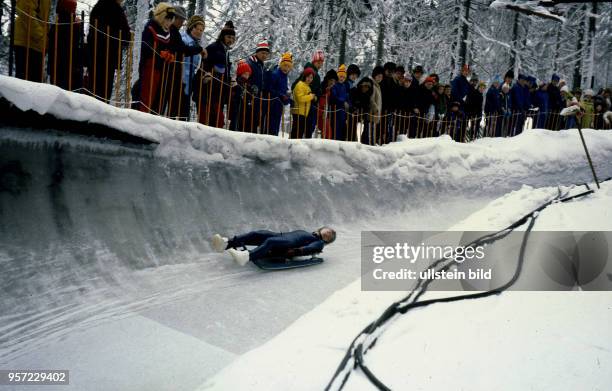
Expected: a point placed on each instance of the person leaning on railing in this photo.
(155, 57)
(30, 38)
(302, 97)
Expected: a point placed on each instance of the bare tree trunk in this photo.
(380, 44)
(330, 23)
(577, 82)
(343, 39)
(464, 32)
(514, 64)
(200, 8)
(590, 76)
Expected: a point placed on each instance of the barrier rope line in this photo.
(368, 337)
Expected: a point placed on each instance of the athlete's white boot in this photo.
(240, 256)
(219, 243)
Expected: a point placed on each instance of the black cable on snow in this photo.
(357, 350)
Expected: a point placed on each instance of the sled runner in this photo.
(282, 263)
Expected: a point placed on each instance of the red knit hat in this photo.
(242, 68)
(308, 71)
(430, 79)
(318, 56)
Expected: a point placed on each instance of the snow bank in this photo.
(517, 341)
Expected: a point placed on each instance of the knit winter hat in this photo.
(66, 6)
(342, 70)
(555, 77)
(496, 79)
(318, 56)
(263, 46)
(418, 69)
(180, 11)
(194, 21)
(430, 79)
(353, 69)
(588, 92)
(242, 68)
(565, 89)
(286, 58)
(308, 71)
(228, 29)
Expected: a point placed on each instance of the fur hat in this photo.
(318, 55)
(163, 11)
(242, 68)
(194, 21)
(342, 70)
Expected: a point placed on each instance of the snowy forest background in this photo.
(437, 34)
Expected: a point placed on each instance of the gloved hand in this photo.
(167, 56)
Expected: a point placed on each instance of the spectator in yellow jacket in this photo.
(31, 29)
(302, 97)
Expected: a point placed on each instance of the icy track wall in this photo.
(74, 208)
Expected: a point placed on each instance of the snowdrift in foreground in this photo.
(516, 341)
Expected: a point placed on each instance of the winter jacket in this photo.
(423, 101)
(390, 92)
(459, 89)
(505, 103)
(110, 17)
(520, 98)
(587, 118)
(31, 13)
(59, 68)
(339, 96)
(302, 98)
(541, 101)
(493, 101)
(315, 85)
(304, 243)
(153, 37)
(376, 102)
(555, 101)
(218, 55)
(258, 76)
(190, 62)
(473, 103)
(361, 101)
(277, 85)
(178, 46)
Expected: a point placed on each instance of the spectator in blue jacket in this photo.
(555, 102)
(460, 87)
(340, 103)
(258, 83)
(191, 38)
(277, 85)
(541, 101)
(493, 106)
(520, 103)
(274, 244)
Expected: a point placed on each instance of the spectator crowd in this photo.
(181, 78)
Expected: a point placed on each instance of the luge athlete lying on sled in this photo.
(274, 244)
